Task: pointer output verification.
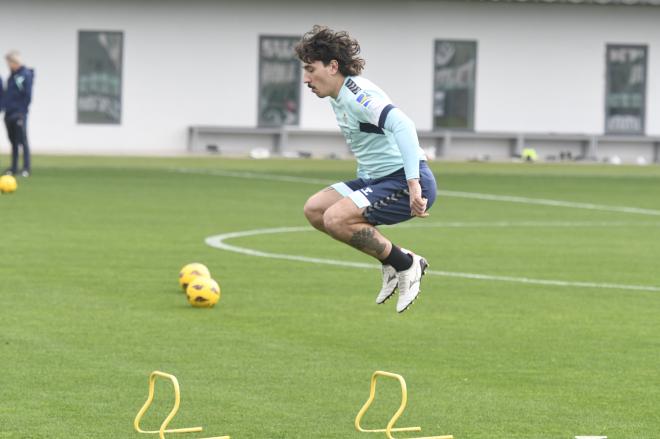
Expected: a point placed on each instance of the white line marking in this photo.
(545, 202)
(218, 241)
(453, 194)
(255, 176)
(528, 224)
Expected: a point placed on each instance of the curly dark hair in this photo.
(324, 44)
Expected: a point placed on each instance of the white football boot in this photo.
(409, 282)
(390, 281)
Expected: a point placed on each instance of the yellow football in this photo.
(203, 292)
(190, 272)
(8, 184)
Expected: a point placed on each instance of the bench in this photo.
(288, 141)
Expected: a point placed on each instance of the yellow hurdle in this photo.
(390, 425)
(177, 401)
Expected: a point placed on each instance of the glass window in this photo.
(99, 77)
(454, 68)
(625, 100)
(279, 81)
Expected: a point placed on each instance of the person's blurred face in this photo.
(323, 80)
(13, 65)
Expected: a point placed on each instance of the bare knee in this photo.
(317, 205)
(314, 213)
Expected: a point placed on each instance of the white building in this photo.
(541, 68)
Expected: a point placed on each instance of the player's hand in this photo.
(417, 202)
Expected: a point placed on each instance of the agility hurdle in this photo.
(177, 401)
(389, 429)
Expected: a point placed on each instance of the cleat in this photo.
(409, 283)
(390, 281)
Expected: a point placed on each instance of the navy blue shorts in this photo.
(386, 199)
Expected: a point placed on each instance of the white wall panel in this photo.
(540, 67)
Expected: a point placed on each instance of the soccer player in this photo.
(394, 182)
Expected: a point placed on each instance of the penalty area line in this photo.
(218, 241)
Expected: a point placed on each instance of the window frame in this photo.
(607, 115)
(472, 96)
(297, 81)
(121, 78)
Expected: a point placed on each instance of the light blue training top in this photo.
(380, 135)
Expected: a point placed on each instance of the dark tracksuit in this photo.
(1, 90)
(15, 102)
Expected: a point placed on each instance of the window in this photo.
(279, 81)
(99, 77)
(625, 101)
(454, 68)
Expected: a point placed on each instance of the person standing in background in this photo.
(1, 90)
(16, 102)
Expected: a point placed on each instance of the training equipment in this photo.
(529, 155)
(203, 292)
(8, 184)
(177, 400)
(190, 272)
(390, 425)
(409, 282)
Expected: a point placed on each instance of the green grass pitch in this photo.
(90, 250)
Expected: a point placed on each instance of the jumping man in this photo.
(394, 182)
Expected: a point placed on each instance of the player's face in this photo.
(322, 79)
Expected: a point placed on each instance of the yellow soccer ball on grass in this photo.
(203, 292)
(191, 271)
(8, 184)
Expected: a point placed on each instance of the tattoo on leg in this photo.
(366, 241)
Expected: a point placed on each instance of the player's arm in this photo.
(405, 134)
(387, 117)
(395, 121)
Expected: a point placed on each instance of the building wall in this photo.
(540, 68)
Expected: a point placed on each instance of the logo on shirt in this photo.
(19, 80)
(352, 86)
(364, 99)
